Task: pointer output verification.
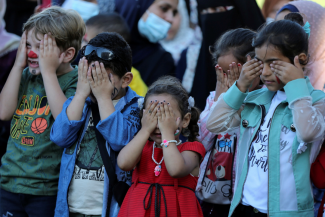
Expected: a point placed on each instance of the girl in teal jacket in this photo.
(281, 126)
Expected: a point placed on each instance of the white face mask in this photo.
(154, 28)
(85, 9)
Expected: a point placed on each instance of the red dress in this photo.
(151, 195)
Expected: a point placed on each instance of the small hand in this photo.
(83, 87)
(167, 121)
(50, 56)
(233, 73)
(251, 70)
(21, 57)
(287, 72)
(222, 82)
(101, 84)
(149, 119)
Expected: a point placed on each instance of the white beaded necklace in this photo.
(158, 167)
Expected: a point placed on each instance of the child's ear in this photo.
(186, 120)
(303, 58)
(126, 79)
(69, 54)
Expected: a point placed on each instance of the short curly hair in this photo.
(122, 62)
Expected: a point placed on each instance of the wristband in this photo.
(166, 143)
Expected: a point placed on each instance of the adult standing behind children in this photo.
(149, 22)
(8, 48)
(314, 14)
(103, 110)
(215, 18)
(32, 98)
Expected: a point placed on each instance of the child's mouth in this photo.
(33, 64)
(268, 82)
(158, 135)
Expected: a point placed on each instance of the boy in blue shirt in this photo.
(103, 79)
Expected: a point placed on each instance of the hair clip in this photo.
(191, 102)
(307, 28)
(140, 103)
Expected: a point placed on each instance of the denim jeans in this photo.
(26, 205)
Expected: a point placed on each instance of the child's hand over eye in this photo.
(101, 84)
(149, 119)
(50, 56)
(251, 70)
(233, 73)
(222, 81)
(21, 57)
(287, 72)
(83, 88)
(167, 120)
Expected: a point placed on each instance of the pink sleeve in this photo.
(205, 136)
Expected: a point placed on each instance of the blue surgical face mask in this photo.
(85, 9)
(154, 28)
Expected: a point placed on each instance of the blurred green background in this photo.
(321, 2)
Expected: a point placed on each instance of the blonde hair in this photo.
(66, 26)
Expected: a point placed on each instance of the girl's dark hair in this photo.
(237, 41)
(172, 86)
(286, 35)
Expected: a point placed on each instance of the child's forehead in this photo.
(163, 98)
(31, 36)
(269, 53)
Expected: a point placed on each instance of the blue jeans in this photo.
(26, 205)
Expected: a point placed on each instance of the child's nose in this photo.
(266, 71)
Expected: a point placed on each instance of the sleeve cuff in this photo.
(234, 97)
(296, 89)
(108, 123)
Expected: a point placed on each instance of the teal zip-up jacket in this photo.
(302, 112)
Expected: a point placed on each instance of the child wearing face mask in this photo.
(32, 98)
(281, 126)
(229, 54)
(166, 169)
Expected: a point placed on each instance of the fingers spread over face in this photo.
(162, 109)
(99, 71)
(89, 76)
(93, 72)
(85, 67)
(104, 72)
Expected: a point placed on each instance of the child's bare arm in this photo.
(177, 164)
(74, 110)
(130, 155)
(50, 60)
(9, 93)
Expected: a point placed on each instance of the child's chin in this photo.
(34, 71)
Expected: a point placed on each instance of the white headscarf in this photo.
(183, 37)
(8, 41)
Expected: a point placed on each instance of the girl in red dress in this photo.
(166, 170)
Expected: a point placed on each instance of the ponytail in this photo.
(192, 130)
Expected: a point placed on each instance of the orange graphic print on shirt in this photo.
(27, 116)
